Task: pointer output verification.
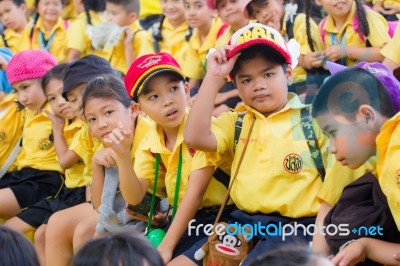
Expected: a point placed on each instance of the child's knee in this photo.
(40, 235)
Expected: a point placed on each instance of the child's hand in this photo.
(120, 140)
(217, 63)
(314, 59)
(105, 157)
(166, 254)
(57, 121)
(336, 52)
(391, 10)
(275, 22)
(128, 37)
(354, 253)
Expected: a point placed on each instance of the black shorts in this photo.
(40, 212)
(30, 185)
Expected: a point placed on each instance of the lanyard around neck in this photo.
(45, 44)
(342, 42)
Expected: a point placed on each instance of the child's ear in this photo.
(136, 109)
(368, 115)
(187, 90)
(289, 72)
(133, 16)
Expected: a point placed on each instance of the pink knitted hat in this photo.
(30, 64)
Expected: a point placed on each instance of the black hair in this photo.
(256, 3)
(128, 5)
(344, 92)
(255, 51)
(16, 249)
(95, 5)
(107, 87)
(17, 2)
(57, 72)
(123, 248)
(287, 256)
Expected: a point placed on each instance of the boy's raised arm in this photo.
(198, 126)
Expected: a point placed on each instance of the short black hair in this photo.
(56, 72)
(344, 92)
(17, 2)
(129, 5)
(254, 51)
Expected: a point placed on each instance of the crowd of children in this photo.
(172, 118)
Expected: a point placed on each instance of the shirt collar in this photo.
(330, 23)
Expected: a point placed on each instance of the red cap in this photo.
(145, 67)
(29, 64)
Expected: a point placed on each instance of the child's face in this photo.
(74, 97)
(271, 13)
(166, 100)
(103, 116)
(50, 10)
(197, 13)
(60, 106)
(231, 11)
(262, 84)
(336, 8)
(172, 9)
(118, 15)
(30, 94)
(12, 16)
(351, 142)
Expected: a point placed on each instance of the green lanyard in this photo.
(177, 186)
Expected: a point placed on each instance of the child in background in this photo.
(172, 33)
(69, 11)
(150, 13)
(388, 8)
(206, 30)
(390, 51)
(361, 123)
(39, 175)
(135, 41)
(79, 42)
(62, 225)
(14, 18)
(260, 63)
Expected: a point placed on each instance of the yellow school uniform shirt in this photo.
(37, 142)
(78, 39)
(148, 8)
(378, 32)
(387, 2)
(388, 167)
(144, 167)
(141, 45)
(57, 39)
(195, 61)
(11, 122)
(277, 173)
(174, 40)
(30, 4)
(74, 176)
(13, 40)
(392, 48)
(69, 11)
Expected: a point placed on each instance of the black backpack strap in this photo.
(312, 142)
(238, 129)
(4, 40)
(222, 177)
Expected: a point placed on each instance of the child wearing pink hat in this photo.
(38, 173)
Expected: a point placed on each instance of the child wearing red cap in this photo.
(39, 175)
(281, 176)
(157, 85)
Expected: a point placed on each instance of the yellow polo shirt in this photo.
(13, 40)
(388, 167)
(144, 167)
(37, 145)
(392, 48)
(74, 176)
(69, 11)
(277, 173)
(148, 8)
(195, 61)
(141, 45)
(378, 32)
(78, 38)
(11, 122)
(387, 2)
(174, 41)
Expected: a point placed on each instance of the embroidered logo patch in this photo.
(397, 175)
(45, 144)
(293, 163)
(3, 136)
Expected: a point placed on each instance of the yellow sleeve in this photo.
(75, 36)
(192, 65)
(392, 48)
(300, 34)
(141, 44)
(25, 43)
(378, 29)
(83, 145)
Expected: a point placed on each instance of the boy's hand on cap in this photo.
(218, 64)
(120, 140)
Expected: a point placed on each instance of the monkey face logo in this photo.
(229, 244)
(45, 144)
(3, 136)
(293, 163)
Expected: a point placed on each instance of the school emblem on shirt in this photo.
(45, 144)
(397, 175)
(3, 136)
(293, 163)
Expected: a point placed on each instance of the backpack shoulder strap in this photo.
(238, 129)
(312, 142)
(290, 27)
(322, 31)
(156, 36)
